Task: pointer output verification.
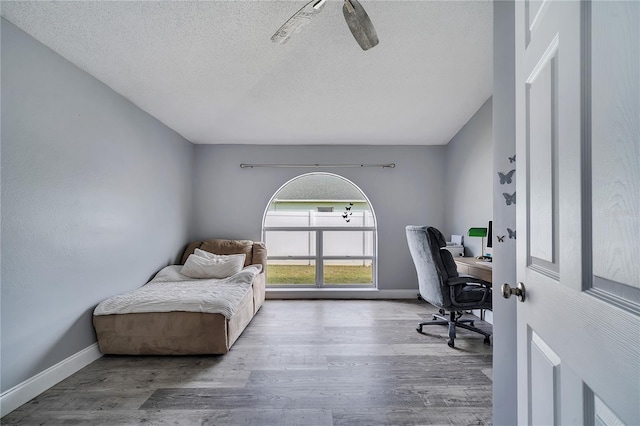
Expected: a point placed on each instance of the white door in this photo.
(578, 211)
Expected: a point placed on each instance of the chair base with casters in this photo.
(454, 321)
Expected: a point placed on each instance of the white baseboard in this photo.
(30, 388)
(326, 293)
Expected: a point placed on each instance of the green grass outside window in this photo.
(306, 274)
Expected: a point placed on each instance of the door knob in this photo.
(519, 291)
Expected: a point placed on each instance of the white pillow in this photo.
(212, 266)
(205, 254)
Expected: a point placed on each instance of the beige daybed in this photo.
(187, 333)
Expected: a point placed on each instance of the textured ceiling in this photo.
(208, 69)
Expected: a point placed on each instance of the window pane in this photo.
(291, 219)
(348, 243)
(348, 272)
(313, 216)
(291, 272)
(290, 243)
(318, 199)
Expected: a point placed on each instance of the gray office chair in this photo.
(441, 285)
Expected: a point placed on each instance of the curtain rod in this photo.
(316, 166)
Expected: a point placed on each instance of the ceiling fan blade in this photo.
(297, 21)
(360, 24)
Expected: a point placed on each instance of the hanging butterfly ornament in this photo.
(347, 213)
(357, 19)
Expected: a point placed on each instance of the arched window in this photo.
(320, 231)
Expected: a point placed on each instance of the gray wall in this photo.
(469, 179)
(96, 197)
(504, 264)
(230, 201)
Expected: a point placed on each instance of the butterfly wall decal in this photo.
(512, 159)
(500, 238)
(512, 233)
(506, 178)
(509, 198)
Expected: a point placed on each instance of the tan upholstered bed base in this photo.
(172, 333)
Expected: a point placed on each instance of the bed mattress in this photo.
(171, 291)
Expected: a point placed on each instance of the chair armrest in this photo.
(467, 280)
(486, 291)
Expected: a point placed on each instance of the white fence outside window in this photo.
(341, 240)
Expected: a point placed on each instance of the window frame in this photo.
(319, 258)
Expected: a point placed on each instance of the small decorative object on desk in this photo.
(479, 232)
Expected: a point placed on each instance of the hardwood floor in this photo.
(316, 362)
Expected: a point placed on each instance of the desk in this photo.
(479, 269)
(474, 267)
